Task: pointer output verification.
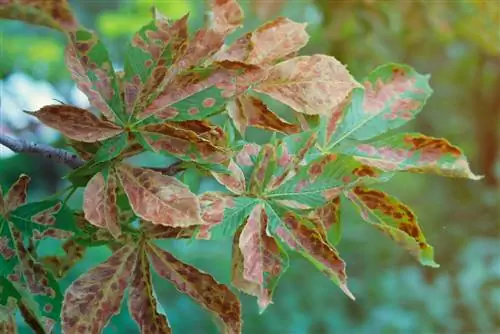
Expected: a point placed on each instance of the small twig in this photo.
(47, 151)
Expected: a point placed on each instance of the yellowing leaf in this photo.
(99, 203)
(394, 219)
(16, 196)
(200, 286)
(312, 85)
(235, 182)
(76, 123)
(227, 16)
(94, 297)
(142, 302)
(158, 198)
(53, 14)
(247, 110)
(263, 261)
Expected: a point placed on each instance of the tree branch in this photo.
(68, 158)
(46, 151)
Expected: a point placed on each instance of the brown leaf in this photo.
(309, 84)
(93, 298)
(76, 123)
(153, 231)
(142, 303)
(326, 216)
(235, 182)
(265, 9)
(53, 14)
(16, 196)
(203, 288)
(99, 203)
(7, 321)
(247, 110)
(212, 206)
(227, 16)
(158, 198)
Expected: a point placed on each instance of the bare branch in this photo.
(67, 157)
(47, 151)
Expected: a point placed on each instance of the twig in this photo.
(171, 170)
(47, 151)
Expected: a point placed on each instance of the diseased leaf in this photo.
(2, 202)
(313, 85)
(142, 302)
(167, 232)
(268, 43)
(265, 166)
(415, 153)
(93, 298)
(60, 265)
(393, 94)
(158, 198)
(111, 148)
(151, 52)
(49, 218)
(263, 260)
(327, 221)
(266, 9)
(53, 14)
(76, 123)
(7, 322)
(226, 17)
(395, 219)
(179, 140)
(246, 158)
(90, 66)
(234, 182)
(8, 256)
(100, 202)
(247, 110)
(16, 196)
(293, 231)
(200, 286)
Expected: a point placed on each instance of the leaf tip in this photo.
(348, 292)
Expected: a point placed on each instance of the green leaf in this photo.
(88, 61)
(111, 148)
(192, 178)
(8, 291)
(327, 221)
(8, 256)
(392, 96)
(82, 175)
(387, 214)
(264, 169)
(415, 153)
(49, 218)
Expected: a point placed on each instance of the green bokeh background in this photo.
(458, 43)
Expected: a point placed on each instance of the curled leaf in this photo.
(93, 298)
(158, 198)
(17, 194)
(200, 286)
(76, 123)
(313, 85)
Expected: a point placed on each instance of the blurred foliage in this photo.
(458, 43)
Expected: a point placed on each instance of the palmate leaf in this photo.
(203, 288)
(258, 261)
(312, 85)
(394, 219)
(327, 221)
(413, 152)
(393, 94)
(235, 181)
(142, 303)
(53, 14)
(91, 68)
(93, 298)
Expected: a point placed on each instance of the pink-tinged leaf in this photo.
(212, 206)
(153, 231)
(53, 14)
(416, 153)
(226, 17)
(94, 297)
(331, 123)
(234, 182)
(270, 42)
(248, 110)
(313, 85)
(142, 302)
(263, 261)
(90, 66)
(394, 219)
(99, 203)
(76, 123)
(179, 139)
(158, 198)
(266, 9)
(265, 166)
(16, 196)
(203, 288)
(309, 242)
